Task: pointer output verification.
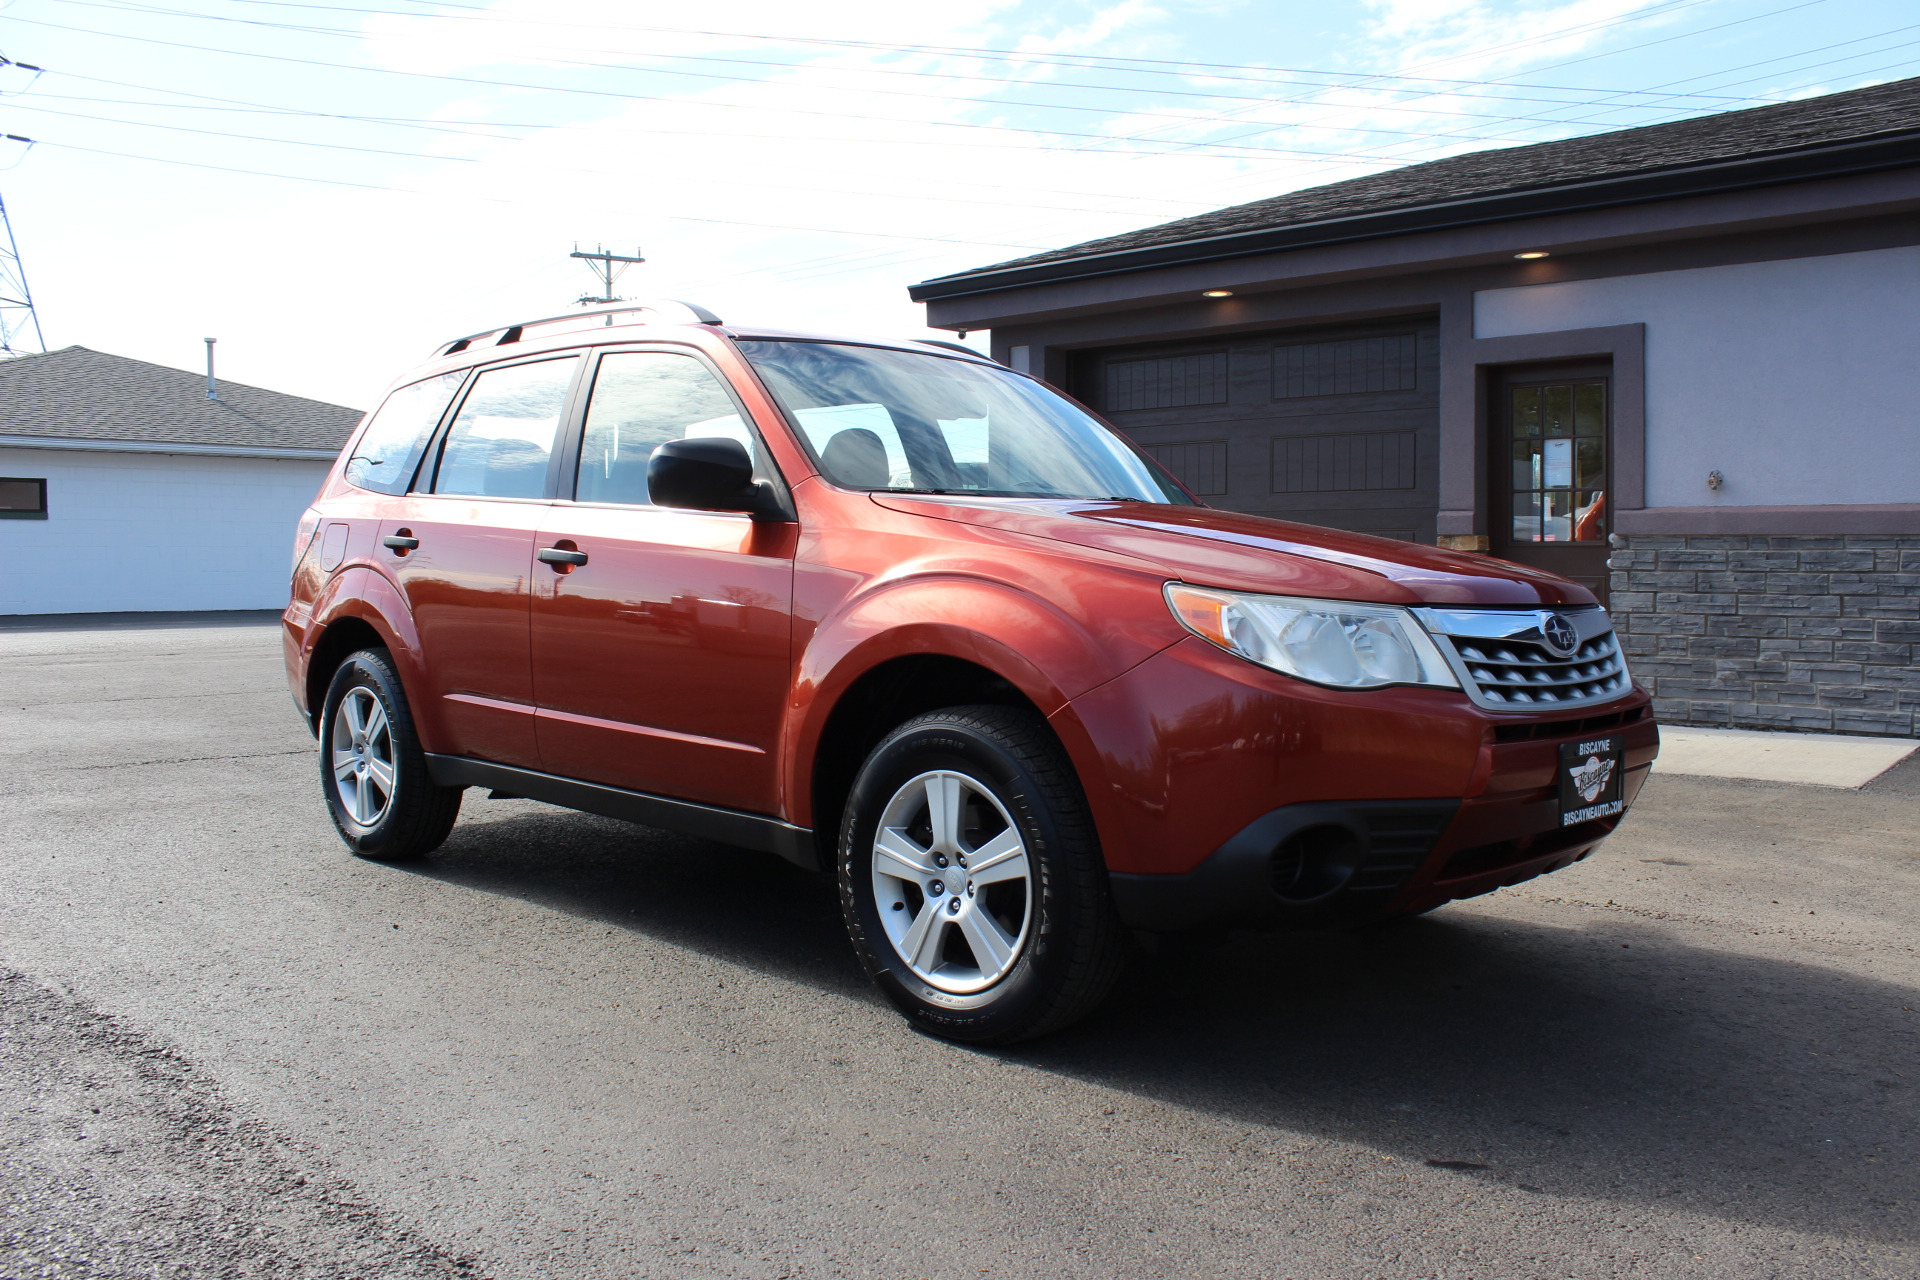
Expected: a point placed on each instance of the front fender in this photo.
(1039, 647)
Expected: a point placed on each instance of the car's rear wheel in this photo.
(971, 878)
(372, 770)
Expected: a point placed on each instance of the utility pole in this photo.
(607, 268)
(19, 323)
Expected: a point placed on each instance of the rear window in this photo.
(390, 447)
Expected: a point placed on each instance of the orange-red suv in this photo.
(891, 610)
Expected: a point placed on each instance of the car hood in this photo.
(1215, 548)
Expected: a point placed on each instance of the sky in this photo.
(332, 189)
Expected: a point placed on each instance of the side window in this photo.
(641, 400)
(499, 444)
(390, 447)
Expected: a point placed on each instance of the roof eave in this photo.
(163, 446)
(1775, 168)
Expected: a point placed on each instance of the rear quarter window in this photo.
(390, 447)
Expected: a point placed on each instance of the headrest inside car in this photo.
(856, 459)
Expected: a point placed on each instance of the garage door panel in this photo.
(1338, 426)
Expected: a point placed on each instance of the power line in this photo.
(945, 196)
(673, 217)
(1144, 66)
(121, 6)
(756, 184)
(1246, 151)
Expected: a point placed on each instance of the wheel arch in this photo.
(935, 639)
(882, 697)
(362, 609)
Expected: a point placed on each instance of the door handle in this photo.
(397, 543)
(555, 555)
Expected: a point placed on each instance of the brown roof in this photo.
(1445, 187)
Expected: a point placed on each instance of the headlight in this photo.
(1333, 642)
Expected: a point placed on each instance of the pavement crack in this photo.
(136, 764)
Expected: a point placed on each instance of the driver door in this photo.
(662, 641)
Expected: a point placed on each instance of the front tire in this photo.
(971, 878)
(374, 774)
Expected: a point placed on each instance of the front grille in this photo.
(1517, 672)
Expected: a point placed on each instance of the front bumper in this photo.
(1198, 765)
(1324, 865)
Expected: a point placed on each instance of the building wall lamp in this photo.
(1217, 293)
(1531, 254)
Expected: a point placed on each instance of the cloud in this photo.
(806, 193)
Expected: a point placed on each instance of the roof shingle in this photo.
(77, 393)
(1876, 111)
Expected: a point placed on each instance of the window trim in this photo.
(41, 513)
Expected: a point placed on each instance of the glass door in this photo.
(1550, 476)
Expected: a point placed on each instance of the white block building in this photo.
(123, 487)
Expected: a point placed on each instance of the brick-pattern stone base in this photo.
(1774, 632)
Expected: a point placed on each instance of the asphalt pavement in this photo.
(565, 1046)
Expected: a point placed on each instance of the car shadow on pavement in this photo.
(1606, 1060)
(749, 908)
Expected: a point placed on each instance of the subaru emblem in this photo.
(1559, 634)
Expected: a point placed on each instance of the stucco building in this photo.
(1680, 363)
(124, 487)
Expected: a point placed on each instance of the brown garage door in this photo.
(1331, 426)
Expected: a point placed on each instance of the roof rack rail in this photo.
(670, 310)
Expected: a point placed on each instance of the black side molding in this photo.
(728, 826)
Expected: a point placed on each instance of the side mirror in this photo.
(712, 473)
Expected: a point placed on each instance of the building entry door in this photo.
(1551, 471)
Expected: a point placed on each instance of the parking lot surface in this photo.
(564, 1046)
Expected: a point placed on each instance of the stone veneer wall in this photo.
(1774, 632)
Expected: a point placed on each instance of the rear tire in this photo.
(971, 879)
(373, 773)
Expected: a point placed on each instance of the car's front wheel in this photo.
(372, 770)
(971, 878)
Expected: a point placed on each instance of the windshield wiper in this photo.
(978, 493)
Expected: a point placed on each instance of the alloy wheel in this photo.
(364, 772)
(952, 882)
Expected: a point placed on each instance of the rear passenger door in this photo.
(661, 662)
(463, 553)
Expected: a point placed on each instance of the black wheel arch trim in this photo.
(728, 826)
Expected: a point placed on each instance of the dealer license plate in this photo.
(1590, 780)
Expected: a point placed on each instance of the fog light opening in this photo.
(1315, 862)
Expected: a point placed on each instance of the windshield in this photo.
(912, 423)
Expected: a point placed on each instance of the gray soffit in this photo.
(79, 398)
(1859, 131)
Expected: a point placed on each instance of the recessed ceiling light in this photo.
(1534, 253)
(1217, 293)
